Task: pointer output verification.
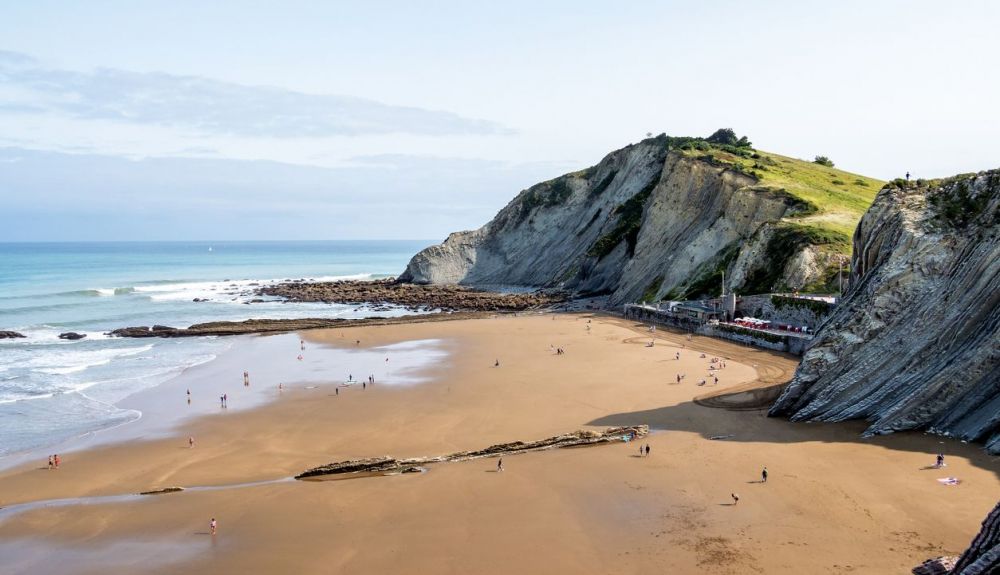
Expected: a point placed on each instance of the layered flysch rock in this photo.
(983, 555)
(647, 222)
(915, 343)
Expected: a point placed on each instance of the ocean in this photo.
(52, 390)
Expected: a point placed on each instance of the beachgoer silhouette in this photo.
(213, 525)
(500, 464)
(364, 385)
(336, 391)
(647, 450)
(736, 498)
(763, 476)
(907, 176)
(497, 364)
(190, 442)
(51, 464)
(940, 460)
(55, 460)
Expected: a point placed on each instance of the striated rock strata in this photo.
(983, 555)
(648, 222)
(916, 342)
(388, 465)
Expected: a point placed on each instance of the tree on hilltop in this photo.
(823, 161)
(727, 137)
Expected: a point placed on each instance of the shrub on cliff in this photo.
(823, 161)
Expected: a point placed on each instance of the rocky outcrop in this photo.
(915, 344)
(72, 335)
(388, 465)
(983, 555)
(649, 221)
(10, 335)
(380, 293)
(280, 325)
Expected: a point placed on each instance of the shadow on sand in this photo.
(755, 426)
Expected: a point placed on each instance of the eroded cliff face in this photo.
(916, 342)
(647, 222)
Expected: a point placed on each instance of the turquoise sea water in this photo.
(52, 389)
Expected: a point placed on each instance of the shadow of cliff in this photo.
(755, 427)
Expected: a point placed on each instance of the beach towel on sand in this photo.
(949, 481)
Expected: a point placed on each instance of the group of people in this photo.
(54, 461)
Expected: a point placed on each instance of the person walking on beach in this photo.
(225, 400)
(940, 460)
(500, 465)
(336, 391)
(647, 450)
(55, 460)
(763, 475)
(213, 526)
(640, 451)
(364, 385)
(51, 463)
(736, 498)
(222, 401)
(497, 364)
(190, 442)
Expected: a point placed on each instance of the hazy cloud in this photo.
(46, 195)
(212, 106)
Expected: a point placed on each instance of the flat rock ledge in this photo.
(387, 465)
(10, 335)
(279, 325)
(392, 292)
(161, 491)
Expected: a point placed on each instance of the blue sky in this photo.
(160, 120)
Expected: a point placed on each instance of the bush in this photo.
(724, 136)
(823, 161)
(838, 182)
(860, 182)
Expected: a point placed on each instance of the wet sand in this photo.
(833, 502)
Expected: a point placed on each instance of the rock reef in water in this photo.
(390, 292)
(10, 335)
(279, 325)
(389, 465)
(72, 335)
(915, 344)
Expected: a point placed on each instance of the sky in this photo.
(334, 120)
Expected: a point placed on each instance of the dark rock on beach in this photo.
(388, 292)
(277, 325)
(72, 335)
(10, 335)
(387, 465)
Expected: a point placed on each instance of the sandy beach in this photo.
(833, 502)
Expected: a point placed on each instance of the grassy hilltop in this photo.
(828, 202)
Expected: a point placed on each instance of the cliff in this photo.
(915, 344)
(662, 219)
